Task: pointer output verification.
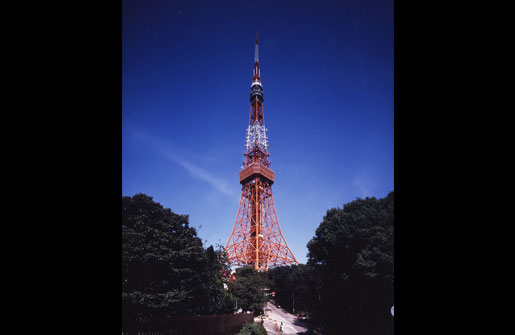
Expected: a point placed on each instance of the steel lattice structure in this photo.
(256, 238)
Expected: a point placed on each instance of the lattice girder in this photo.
(256, 238)
(261, 245)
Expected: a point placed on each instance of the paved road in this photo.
(291, 325)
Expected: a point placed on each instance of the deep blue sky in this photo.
(327, 73)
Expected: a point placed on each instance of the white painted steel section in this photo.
(256, 134)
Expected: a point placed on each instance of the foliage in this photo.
(353, 253)
(165, 269)
(223, 261)
(221, 301)
(251, 328)
(295, 286)
(248, 289)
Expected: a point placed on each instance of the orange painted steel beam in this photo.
(257, 239)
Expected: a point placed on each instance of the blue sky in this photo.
(327, 74)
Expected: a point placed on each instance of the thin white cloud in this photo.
(199, 173)
(166, 150)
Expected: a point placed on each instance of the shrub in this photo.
(252, 329)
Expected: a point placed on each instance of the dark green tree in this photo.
(222, 302)
(223, 260)
(250, 328)
(353, 253)
(165, 269)
(248, 289)
(295, 286)
(278, 277)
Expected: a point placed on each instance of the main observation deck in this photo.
(256, 169)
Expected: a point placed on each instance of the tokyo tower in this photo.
(256, 238)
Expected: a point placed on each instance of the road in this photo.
(291, 325)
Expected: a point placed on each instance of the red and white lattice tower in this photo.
(257, 239)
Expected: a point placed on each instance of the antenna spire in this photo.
(257, 74)
(256, 54)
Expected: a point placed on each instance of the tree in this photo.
(221, 301)
(250, 328)
(165, 269)
(353, 252)
(223, 261)
(295, 286)
(248, 288)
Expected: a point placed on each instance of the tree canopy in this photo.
(295, 288)
(251, 328)
(347, 284)
(165, 269)
(248, 288)
(353, 254)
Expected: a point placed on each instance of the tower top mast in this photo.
(257, 74)
(256, 140)
(256, 54)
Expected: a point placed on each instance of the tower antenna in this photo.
(256, 238)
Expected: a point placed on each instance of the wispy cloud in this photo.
(199, 173)
(166, 150)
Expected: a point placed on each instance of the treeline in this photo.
(347, 285)
(165, 269)
(167, 272)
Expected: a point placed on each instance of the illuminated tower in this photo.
(256, 238)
